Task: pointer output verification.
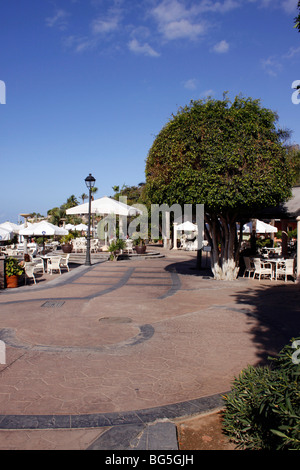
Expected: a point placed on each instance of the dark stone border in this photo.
(8, 336)
(99, 420)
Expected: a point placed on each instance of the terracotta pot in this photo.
(12, 281)
(67, 248)
(140, 249)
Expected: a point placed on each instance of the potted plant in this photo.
(66, 244)
(115, 248)
(13, 269)
(139, 245)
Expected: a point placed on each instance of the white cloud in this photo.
(79, 44)
(221, 47)
(271, 66)
(175, 20)
(290, 6)
(191, 84)
(182, 29)
(144, 49)
(207, 93)
(292, 52)
(105, 26)
(59, 19)
(169, 10)
(218, 7)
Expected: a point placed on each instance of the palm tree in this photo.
(71, 202)
(93, 190)
(56, 214)
(83, 197)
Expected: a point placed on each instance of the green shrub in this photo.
(262, 411)
(13, 267)
(115, 247)
(65, 239)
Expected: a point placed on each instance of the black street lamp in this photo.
(90, 183)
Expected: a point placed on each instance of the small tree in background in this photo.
(229, 157)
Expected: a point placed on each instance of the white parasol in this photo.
(43, 228)
(187, 226)
(261, 227)
(6, 234)
(104, 206)
(10, 226)
(81, 227)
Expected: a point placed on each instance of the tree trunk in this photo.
(227, 272)
(224, 262)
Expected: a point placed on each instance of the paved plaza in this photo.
(98, 353)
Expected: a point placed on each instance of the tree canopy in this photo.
(228, 156)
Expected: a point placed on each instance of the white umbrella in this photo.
(10, 226)
(22, 226)
(103, 206)
(81, 227)
(43, 228)
(188, 227)
(70, 227)
(5, 234)
(261, 227)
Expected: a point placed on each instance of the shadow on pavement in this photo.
(276, 309)
(274, 305)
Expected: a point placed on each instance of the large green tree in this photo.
(228, 156)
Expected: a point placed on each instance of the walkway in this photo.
(95, 355)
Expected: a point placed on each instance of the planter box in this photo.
(12, 281)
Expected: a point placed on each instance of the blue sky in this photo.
(89, 83)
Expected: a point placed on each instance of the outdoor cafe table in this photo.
(275, 262)
(45, 259)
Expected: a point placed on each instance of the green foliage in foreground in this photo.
(13, 267)
(115, 247)
(262, 411)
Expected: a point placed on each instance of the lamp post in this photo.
(90, 183)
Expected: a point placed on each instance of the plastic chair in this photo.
(129, 246)
(29, 271)
(286, 268)
(53, 265)
(38, 265)
(249, 266)
(64, 262)
(262, 268)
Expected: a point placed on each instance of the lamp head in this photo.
(90, 181)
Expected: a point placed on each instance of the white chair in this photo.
(29, 271)
(249, 266)
(183, 245)
(79, 245)
(94, 245)
(129, 246)
(38, 265)
(64, 261)
(262, 268)
(286, 268)
(53, 265)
